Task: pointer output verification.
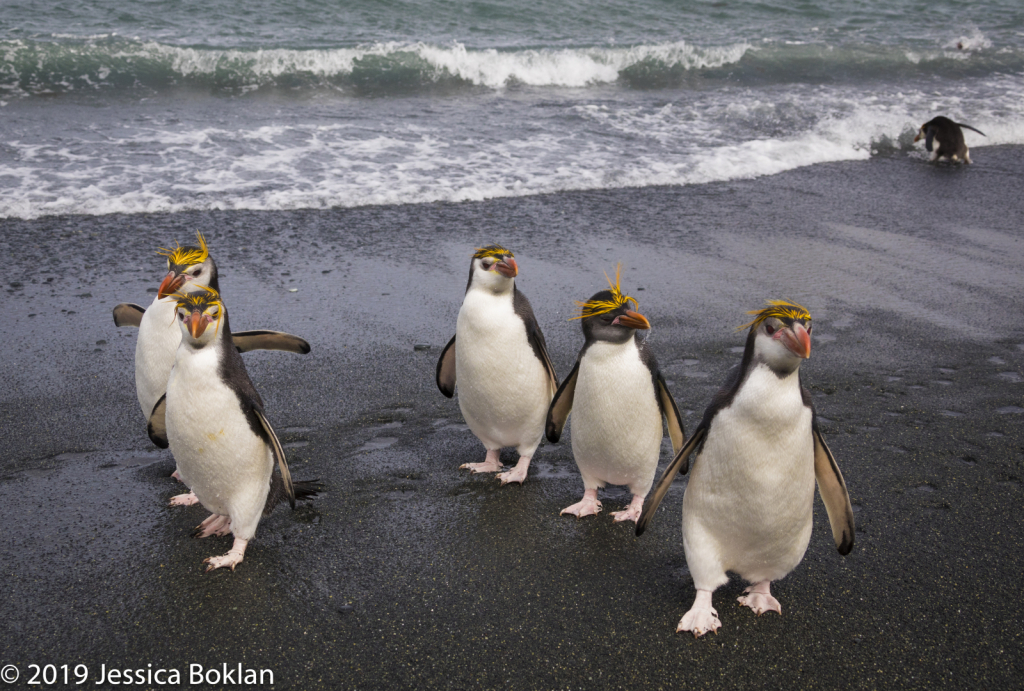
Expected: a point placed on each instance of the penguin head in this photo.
(493, 268)
(196, 312)
(186, 267)
(611, 316)
(780, 335)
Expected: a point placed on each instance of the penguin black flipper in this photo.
(278, 451)
(445, 374)
(269, 340)
(679, 464)
(157, 426)
(128, 314)
(561, 406)
(833, 493)
(670, 410)
(524, 310)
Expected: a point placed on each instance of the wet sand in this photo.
(408, 572)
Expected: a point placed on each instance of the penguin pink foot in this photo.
(213, 525)
(184, 499)
(232, 559)
(701, 618)
(759, 599)
(517, 474)
(588, 506)
(490, 465)
(176, 476)
(631, 512)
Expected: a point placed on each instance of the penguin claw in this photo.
(517, 474)
(184, 499)
(699, 622)
(213, 525)
(586, 507)
(759, 599)
(484, 467)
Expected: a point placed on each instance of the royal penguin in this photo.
(213, 420)
(188, 268)
(945, 139)
(748, 503)
(617, 397)
(500, 361)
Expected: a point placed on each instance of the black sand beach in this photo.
(408, 572)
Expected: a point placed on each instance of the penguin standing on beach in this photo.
(500, 360)
(188, 268)
(617, 397)
(213, 419)
(945, 139)
(748, 504)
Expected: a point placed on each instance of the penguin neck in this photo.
(498, 289)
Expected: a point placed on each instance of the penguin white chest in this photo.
(155, 348)
(219, 456)
(503, 387)
(616, 421)
(749, 499)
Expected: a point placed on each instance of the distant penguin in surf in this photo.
(945, 140)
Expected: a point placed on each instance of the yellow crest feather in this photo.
(187, 256)
(201, 298)
(592, 308)
(492, 251)
(780, 309)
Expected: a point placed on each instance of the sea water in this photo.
(130, 106)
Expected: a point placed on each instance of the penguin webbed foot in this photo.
(213, 525)
(517, 474)
(759, 599)
(232, 559)
(588, 506)
(701, 618)
(631, 512)
(491, 464)
(184, 499)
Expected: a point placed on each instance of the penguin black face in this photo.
(494, 268)
(196, 311)
(617, 325)
(187, 265)
(781, 335)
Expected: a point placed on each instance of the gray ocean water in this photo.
(129, 106)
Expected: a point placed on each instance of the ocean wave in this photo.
(40, 67)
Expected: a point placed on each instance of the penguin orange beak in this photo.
(797, 340)
(170, 284)
(507, 267)
(919, 136)
(197, 323)
(633, 320)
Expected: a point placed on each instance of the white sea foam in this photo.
(519, 150)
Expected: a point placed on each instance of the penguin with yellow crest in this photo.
(213, 419)
(748, 504)
(500, 361)
(617, 397)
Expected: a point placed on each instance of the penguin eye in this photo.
(213, 311)
(197, 272)
(181, 317)
(809, 327)
(769, 329)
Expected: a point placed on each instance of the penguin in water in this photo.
(617, 397)
(188, 268)
(213, 419)
(500, 360)
(945, 139)
(748, 504)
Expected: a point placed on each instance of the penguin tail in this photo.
(305, 490)
(960, 124)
